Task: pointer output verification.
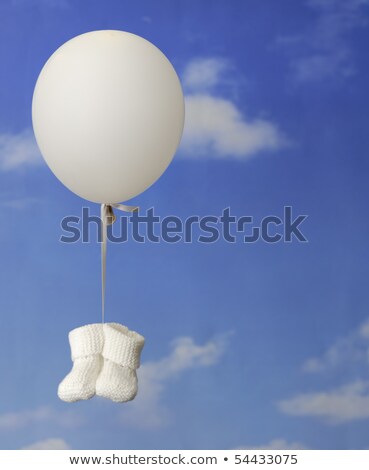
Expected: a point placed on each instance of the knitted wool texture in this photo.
(86, 344)
(105, 358)
(121, 353)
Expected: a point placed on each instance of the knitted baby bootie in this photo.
(121, 353)
(86, 345)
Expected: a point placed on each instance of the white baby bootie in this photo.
(121, 353)
(86, 345)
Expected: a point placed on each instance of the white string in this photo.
(106, 211)
(103, 259)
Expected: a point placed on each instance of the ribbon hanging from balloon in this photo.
(108, 218)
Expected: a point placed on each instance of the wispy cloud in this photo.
(20, 203)
(215, 127)
(323, 51)
(277, 444)
(48, 444)
(347, 403)
(147, 410)
(353, 347)
(146, 19)
(204, 73)
(18, 150)
(46, 414)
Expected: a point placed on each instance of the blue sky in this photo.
(247, 345)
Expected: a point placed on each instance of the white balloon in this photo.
(108, 114)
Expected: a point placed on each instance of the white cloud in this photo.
(321, 66)
(48, 444)
(214, 126)
(277, 444)
(147, 411)
(324, 51)
(20, 203)
(204, 73)
(343, 404)
(146, 19)
(21, 419)
(16, 420)
(18, 150)
(353, 348)
(364, 330)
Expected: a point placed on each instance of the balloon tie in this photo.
(108, 218)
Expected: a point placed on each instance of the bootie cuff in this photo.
(122, 346)
(86, 340)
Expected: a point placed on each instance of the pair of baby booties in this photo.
(105, 358)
